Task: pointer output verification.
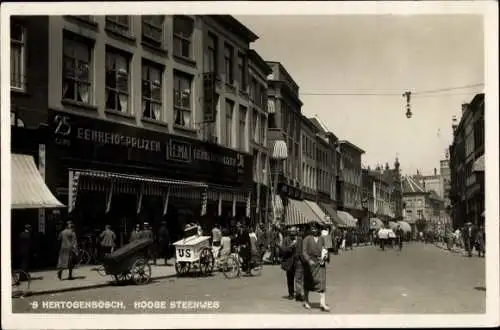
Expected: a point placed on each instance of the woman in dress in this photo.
(314, 255)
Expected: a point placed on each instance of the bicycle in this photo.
(88, 253)
(21, 280)
(232, 265)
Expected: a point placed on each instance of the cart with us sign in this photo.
(193, 253)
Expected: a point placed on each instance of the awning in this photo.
(376, 223)
(29, 190)
(478, 165)
(393, 225)
(298, 213)
(405, 226)
(333, 214)
(319, 212)
(348, 219)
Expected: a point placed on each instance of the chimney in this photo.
(435, 171)
(465, 106)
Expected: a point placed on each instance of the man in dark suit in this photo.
(287, 253)
(469, 237)
(399, 237)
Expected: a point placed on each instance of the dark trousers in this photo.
(468, 247)
(71, 265)
(400, 243)
(382, 243)
(299, 280)
(290, 282)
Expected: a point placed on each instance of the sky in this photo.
(381, 54)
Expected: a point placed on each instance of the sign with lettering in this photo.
(97, 140)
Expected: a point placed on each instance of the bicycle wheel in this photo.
(231, 267)
(83, 258)
(15, 278)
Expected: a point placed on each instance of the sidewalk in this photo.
(86, 277)
(454, 249)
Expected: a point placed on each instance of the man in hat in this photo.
(108, 238)
(68, 251)
(164, 241)
(287, 253)
(25, 241)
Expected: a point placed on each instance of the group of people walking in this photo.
(303, 258)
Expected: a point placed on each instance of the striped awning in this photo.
(478, 165)
(376, 223)
(405, 226)
(332, 213)
(348, 219)
(298, 213)
(28, 188)
(319, 212)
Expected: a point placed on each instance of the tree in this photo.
(421, 224)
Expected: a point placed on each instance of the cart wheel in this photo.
(230, 267)
(123, 277)
(206, 261)
(141, 272)
(182, 268)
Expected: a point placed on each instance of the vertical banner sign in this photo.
(219, 210)
(139, 199)
(41, 168)
(109, 197)
(165, 201)
(204, 201)
(234, 205)
(209, 99)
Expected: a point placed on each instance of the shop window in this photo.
(152, 28)
(17, 56)
(151, 91)
(76, 81)
(117, 82)
(183, 36)
(183, 105)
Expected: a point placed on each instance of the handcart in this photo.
(130, 262)
(193, 252)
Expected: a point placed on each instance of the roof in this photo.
(259, 62)
(306, 121)
(318, 125)
(351, 145)
(410, 185)
(232, 24)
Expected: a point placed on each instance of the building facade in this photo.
(259, 70)
(284, 124)
(467, 185)
(432, 182)
(309, 148)
(140, 118)
(349, 181)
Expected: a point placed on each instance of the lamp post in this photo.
(279, 155)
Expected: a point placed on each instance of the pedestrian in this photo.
(480, 241)
(383, 235)
(399, 237)
(254, 249)
(67, 252)
(315, 254)
(299, 267)
(108, 239)
(468, 236)
(25, 242)
(136, 233)
(164, 241)
(225, 244)
(147, 233)
(327, 237)
(287, 253)
(216, 235)
(242, 240)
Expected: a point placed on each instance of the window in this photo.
(255, 119)
(183, 99)
(228, 63)
(17, 56)
(117, 82)
(242, 77)
(120, 23)
(76, 70)
(253, 89)
(183, 35)
(242, 128)
(229, 123)
(263, 129)
(152, 28)
(211, 54)
(151, 92)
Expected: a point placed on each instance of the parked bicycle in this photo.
(88, 253)
(232, 265)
